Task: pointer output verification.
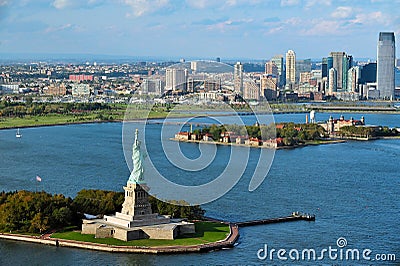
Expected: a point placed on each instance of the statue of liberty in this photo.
(136, 176)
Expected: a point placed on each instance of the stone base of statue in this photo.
(136, 220)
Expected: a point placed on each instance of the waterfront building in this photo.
(385, 65)
(238, 78)
(290, 67)
(175, 79)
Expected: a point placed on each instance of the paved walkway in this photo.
(228, 242)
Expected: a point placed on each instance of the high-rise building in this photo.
(175, 79)
(268, 87)
(337, 62)
(347, 64)
(271, 69)
(278, 61)
(302, 66)
(332, 85)
(290, 67)
(353, 78)
(324, 67)
(368, 73)
(238, 78)
(385, 65)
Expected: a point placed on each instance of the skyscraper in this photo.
(302, 66)
(332, 87)
(238, 78)
(347, 64)
(290, 67)
(324, 67)
(385, 65)
(278, 61)
(338, 66)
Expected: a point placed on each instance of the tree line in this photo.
(37, 212)
(291, 133)
(263, 132)
(366, 132)
(16, 109)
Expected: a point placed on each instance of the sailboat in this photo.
(18, 135)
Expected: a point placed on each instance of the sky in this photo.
(202, 29)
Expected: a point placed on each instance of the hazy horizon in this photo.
(230, 29)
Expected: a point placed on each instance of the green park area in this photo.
(30, 114)
(206, 232)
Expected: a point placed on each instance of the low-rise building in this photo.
(253, 142)
(273, 143)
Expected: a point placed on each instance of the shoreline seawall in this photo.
(228, 242)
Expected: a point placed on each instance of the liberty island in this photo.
(136, 220)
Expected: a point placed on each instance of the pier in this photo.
(296, 216)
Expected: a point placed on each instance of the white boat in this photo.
(18, 135)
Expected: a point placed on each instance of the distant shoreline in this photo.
(324, 142)
(240, 113)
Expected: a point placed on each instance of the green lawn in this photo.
(206, 232)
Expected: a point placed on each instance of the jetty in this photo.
(296, 216)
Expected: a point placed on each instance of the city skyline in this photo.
(205, 29)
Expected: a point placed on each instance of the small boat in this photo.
(18, 135)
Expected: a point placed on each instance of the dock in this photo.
(296, 216)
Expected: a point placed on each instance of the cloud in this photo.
(231, 2)
(290, 2)
(372, 19)
(59, 28)
(342, 12)
(141, 7)
(3, 2)
(199, 4)
(226, 24)
(311, 3)
(61, 4)
(323, 27)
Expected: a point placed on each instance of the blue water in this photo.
(352, 188)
